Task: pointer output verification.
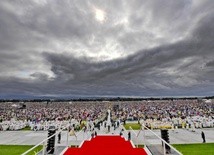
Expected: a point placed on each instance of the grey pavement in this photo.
(183, 136)
(179, 136)
(22, 137)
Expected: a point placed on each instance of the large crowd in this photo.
(154, 114)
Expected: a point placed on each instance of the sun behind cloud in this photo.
(100, 15)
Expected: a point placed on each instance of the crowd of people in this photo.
(41, 115)
(154, 114)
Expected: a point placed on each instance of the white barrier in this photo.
(157, 143)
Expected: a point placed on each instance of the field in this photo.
(27, 128)
(186, 149)
(196, 149)
(134, 126)
(17, 149)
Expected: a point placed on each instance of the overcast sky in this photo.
(106, 48)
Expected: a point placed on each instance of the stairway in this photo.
(106, 145)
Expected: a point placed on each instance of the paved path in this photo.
(183, 136)
(179, 136)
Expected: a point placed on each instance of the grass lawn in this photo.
(27, 128)
(17, 149)
(196, 149)
(139, 146)
(135, 126)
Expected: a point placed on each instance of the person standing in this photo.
(129, 135)
(203, 136)
(92, 135)
(109, 128)
(121, 132)
(59, 137)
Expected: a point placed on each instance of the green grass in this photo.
(195, 149)
(17, 149)
(139, 146)
(134, 126)
(27, 128)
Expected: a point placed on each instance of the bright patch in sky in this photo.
(99, 15)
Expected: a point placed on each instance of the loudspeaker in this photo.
(165, 136)
(51, 141)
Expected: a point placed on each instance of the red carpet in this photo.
(106, 145)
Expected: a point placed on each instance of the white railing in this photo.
(136, 135)
(83, 138)
(163, 143)
(124, 129)
(43, 143)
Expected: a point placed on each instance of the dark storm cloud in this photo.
(210, 64)
(146, 64)
(167, 48)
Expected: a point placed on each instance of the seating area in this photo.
(106, 145)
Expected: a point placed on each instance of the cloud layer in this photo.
(142, 48)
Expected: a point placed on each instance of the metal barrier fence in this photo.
(67, 136)
(152, 142)
(43, 144)
(136, 137)
(156, 145)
